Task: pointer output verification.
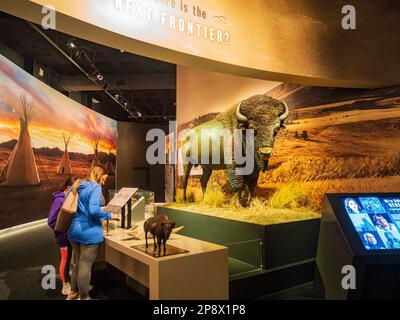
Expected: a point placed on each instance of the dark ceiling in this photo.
(147, 85)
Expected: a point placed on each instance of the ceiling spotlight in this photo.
(95, 101)
(99, 77)
(126, 104)
(116, 96)
(79, 53)
(71, 44)
(122, 51)
(139, 114)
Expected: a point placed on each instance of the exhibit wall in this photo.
(44, 138)
(133, 169)
(335, 140)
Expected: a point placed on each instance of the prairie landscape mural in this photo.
(44, 138)
(335, 140)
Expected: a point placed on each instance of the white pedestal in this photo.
(202, 273)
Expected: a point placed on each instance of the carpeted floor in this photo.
(22, 257)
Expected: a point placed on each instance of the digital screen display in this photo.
(376, 220)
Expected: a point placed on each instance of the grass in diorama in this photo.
(193, 194)
(313, 169)
(294, 189)
(179, 195)
(291, 196)
(217, 203)
(214, 197)
(256, 213)
(289, 202)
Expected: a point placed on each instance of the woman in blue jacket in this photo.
(86, 231)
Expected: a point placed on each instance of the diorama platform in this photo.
(269, 251)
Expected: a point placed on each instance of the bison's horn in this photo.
(285, 114)
(239, 116)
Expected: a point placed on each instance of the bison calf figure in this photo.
(160, 227)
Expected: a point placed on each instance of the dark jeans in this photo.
(84, 256)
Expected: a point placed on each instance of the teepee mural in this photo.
(65, 164)
(96, 161)
(109, 166)
(20, 169)
(35, 156)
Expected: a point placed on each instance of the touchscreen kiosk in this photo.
(376, 220)
(359, 246)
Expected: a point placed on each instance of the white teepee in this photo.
(109, 166)
(65, 164)
(20, 169)
(96, 161)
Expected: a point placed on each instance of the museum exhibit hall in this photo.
(233, 152)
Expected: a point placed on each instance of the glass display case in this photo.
(148, 202)
(141, 207)
(245, 258)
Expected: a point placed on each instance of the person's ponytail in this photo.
(94, 175)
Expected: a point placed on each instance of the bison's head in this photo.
(166, 228)
(265, 116)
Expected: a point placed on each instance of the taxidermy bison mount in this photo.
(261, 113)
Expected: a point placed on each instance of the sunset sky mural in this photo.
(29, 184)
(54, 115)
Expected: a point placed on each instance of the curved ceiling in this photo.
(283, 40)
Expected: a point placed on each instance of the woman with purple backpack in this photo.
(61, 238)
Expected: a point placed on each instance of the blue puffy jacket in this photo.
(86, 226)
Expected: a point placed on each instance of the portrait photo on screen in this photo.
(371, 204)
(383, 222)
(352, 206)
(362, 223)
(391, 239)
(372, 240)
